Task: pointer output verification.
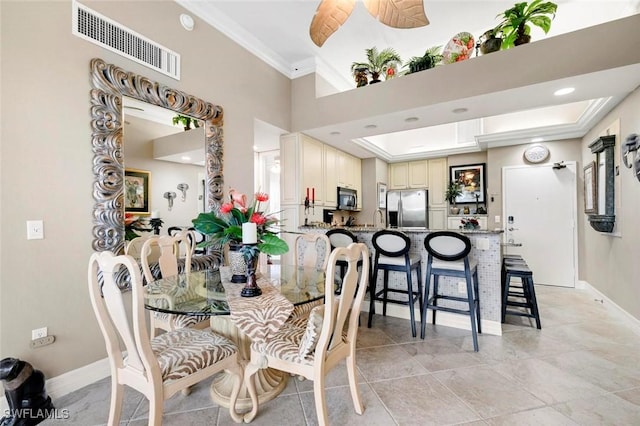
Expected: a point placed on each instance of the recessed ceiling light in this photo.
(411, 119)
(459, 110)
(187, 22)
(185, 158)
(334, 133)
(537, 140)
(370, 126)
(564, 91)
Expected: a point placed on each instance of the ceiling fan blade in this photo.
(330, 15)
(398, 13)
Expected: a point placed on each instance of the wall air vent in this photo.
(107, 33)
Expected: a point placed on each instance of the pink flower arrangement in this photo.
(226, 225)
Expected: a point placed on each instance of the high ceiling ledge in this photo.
(600, 61)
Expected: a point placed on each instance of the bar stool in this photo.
(448, 254)
(528, 293)
(342, 238)
(392, 254)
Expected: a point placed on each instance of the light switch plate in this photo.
(35, 230)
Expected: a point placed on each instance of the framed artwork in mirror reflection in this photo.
(470, 179)
(590, 189)
(137, 185)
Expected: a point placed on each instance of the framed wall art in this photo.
(471, 181)
(137, 185)
(590, 189)
(382, 195)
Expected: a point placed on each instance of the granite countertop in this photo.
(408, 231)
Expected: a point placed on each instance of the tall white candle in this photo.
(155, 214)
(249, 233)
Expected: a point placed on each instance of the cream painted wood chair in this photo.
(134, 248)
(310, 250)
(311, 348)
(158, 367)
(171, 248)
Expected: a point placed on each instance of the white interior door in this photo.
(540, 214)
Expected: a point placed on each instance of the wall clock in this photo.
(536, 153)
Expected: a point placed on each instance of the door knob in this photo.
(513, 229)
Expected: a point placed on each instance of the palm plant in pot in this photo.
(515, 21)
(430, 59)
(453, 191)
(378, 63)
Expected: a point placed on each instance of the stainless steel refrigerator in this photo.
(408, 208)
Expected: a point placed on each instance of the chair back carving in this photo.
(171, 248)
(312, 250)
(346, 308)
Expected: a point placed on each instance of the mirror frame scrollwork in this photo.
(605, 220)
(109, 84)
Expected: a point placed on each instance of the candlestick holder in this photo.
(156, 224)
(306, 205)
(251, 254)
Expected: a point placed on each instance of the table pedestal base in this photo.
(269, 382)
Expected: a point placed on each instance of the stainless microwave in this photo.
(347, 199)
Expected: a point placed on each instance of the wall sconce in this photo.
(170, 196)
(631, 146)
(182, 187)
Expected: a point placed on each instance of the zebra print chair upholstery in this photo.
(312, 347)
(171, 248)
(158, 367)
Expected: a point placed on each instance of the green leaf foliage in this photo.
(515, 21)
(273, 245)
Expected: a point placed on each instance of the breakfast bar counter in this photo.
(485, 249)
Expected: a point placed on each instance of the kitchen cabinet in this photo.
(330, 176)
(312, 169)
(289, 182)
(413, 174)
(437, 218)
(437, 170)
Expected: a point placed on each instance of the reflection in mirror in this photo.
(109, 85)
(173, 156)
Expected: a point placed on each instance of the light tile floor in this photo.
(582, 368)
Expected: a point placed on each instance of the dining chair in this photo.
(171, 248)
(312, 347)
(158, 367)
(134, 248)
(310, 250)
(340, 237)
(195, 237)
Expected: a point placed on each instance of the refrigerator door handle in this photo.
(400, 212)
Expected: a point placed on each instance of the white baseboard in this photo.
(443, 318)
(71, 381)
(613, 307)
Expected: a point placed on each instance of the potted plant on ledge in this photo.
(453, 191)
(515, 21)
(378, 63)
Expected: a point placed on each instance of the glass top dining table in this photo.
(202, 292)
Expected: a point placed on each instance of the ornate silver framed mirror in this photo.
(109, 84)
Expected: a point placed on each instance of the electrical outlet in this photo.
(35, 230)
(39, 333)
(462, 287)
(497, 219)
(44, 341)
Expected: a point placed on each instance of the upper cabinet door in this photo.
(312, 170)
(437, 182)
(331, 176)
(418, 174)
(398, 175)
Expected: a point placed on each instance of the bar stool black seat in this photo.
(392, 254)
(526, 297)
(448, 255)
(342, 238)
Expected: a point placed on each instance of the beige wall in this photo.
(45, 155)
(497, 158)
(609, 262)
